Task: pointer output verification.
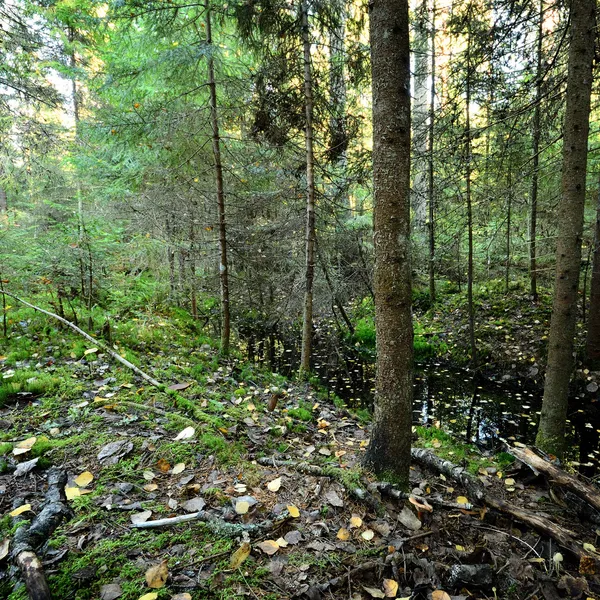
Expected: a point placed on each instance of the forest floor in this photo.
(267, 529)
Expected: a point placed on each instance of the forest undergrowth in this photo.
(284, 508)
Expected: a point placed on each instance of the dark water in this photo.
(470, 407)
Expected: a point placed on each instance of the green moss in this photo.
(300, 413)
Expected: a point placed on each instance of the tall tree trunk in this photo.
(3, 201)
(535, 149)
(431, 189)
(508, 232)
(593, 324)
(216, 144)
(468, 176)
(310, 197)
(420, 114)
(389, 450)
(551, 432)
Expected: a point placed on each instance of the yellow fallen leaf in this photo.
(462, 500)
(240, 555)
(440, 595)
(72, 492)
(21, 509)
(343, 534)
(274, 485)
(293, 510)
(28, 443)
(509, 482)
(281, 542)
(90, 351)
(460, 548)
(150, 487)
(390, 588)
(355, 521)
(156, 576)
(368, 535)
(241, 507)
(150, 596)
(178, 468)
(269, 547)
(84, 479)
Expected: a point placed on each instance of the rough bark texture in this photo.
(430, 169)
(216, 144)
(593, 333)
(551, 432)
(389, 450)
(535, 149)
(310, 198)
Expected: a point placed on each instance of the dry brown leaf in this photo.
(269, 547)
(390, 588)
(274, 485)
(240, 555)
(156, 576)
(84, 479)
(21, 509)
(440, 595)
(163, 465)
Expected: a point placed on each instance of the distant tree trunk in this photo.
(192, 259)
(593, 324)
(535, 149)
(216, 143)
(310, 197)
(431, 189)
(420, 114)
(508, 232)
(3, 201)
(389, 450)
(468, 176)
(551, 432)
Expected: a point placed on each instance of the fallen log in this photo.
(88, 337)
(540, 523)
(586, 492)
(29, 537)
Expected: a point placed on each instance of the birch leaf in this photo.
(274, 485)
(156, 576)
(178, 468)
(293, 510)
(269, 547)
(240, 555)
(4, 544)
(390, 588)
(84, 479)
(186, 434)
(21, 509)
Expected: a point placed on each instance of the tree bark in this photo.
(216, 144)
(430, 156)
(310, 197)
(593, 324)
(3, 201)
(389, 449)
(551, 432)
(535, 149)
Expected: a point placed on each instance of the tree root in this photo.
(29, 537)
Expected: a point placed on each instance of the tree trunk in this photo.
(389, 450)
(431, 189)
(3, 201)
(535, 148)
(420, 115)
(551, 432)
(310, 198)
(508, 232)
(593, 324)
(468, 175)
(216, 144)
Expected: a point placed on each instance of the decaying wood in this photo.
(557, 475)
(389, 490)
(88, 337)
(215, 524)
(539, 522)
(357, 492)
(30, 536)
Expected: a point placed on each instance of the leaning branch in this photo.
(94, 341)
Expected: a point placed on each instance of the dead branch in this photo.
(88, 337)
(557, 475)
(29, 537)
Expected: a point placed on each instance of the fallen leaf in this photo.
(178, 468)
(240, 555)
(408, 518)
(4, 544)
(390, 588)
(242, 507)
(110, 591)
(150, 487)
(274, 485)
(179, 386)
(21, 509)
(462, 500)
(163, 465)
(509, 482)
(355, 521)
(368, 535)
(72, 492)
(269, 547)
(293, 510)
(185, 434)
(150, 596)
(24, 467)
(293, 537)
(156, 576)
(373, 592)
(24, 446)
(343, 534)
(334, 499)
(84, 479)
(589, 547)
(282, 543)
(440, 595)
(182, 596)
(194, 505)
(141, 517)
(90, 351)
